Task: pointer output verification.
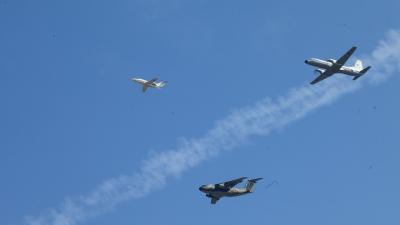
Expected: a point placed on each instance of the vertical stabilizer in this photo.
(358, 65)
(250, 184)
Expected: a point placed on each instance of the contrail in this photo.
(258, 119)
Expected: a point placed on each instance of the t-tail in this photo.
(250, 184)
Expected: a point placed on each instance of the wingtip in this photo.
(256, 179)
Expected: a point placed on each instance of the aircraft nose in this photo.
(306, 61)
(201, 188)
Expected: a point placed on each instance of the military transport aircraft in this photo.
(149, 83)
(226, 189)
(327, 68)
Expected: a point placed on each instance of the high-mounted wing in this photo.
(230, 184)
(342, 60)
(151, 81)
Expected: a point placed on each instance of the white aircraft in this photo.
(327, 68)
(149, 83)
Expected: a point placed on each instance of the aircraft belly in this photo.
(233, 193)
(230, 193)
(218, 194)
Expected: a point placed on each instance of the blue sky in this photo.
(71, 118)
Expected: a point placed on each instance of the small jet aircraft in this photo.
(327, 68)
(149, 83)
(226, 189)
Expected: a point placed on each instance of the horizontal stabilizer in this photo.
(362, 72)
(356, 77)
(365, 70)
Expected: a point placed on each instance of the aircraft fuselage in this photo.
(144, 82)
(213, 191)
(332, 67)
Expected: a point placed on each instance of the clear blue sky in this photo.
(71, 118)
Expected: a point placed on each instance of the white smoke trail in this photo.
(385, 58)
(258, 119)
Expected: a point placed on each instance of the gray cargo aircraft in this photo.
(227, 189)
(327, 68)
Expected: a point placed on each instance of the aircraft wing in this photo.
(214, 200)
(144, 88)
(319, 78)
(230, 184)
(323, 74)
(151, 81)
(342, 60)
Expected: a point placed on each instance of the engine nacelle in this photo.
(319, 71)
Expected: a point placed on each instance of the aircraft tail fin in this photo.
(250, 184)
(358, 65)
